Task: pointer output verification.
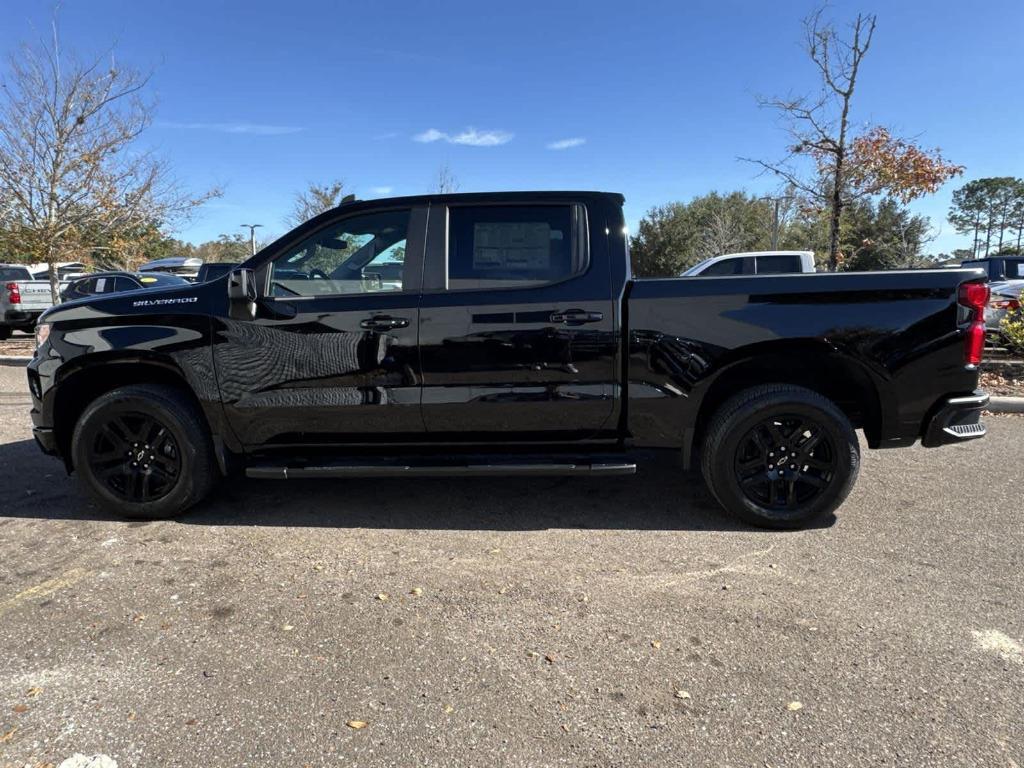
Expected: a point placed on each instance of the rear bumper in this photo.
(22, 316)
(955, 420)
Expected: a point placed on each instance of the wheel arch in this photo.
(81, 383)
(815, 366)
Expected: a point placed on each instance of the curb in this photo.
(13, 360)
(1005, 405)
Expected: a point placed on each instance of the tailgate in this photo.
(35, 295)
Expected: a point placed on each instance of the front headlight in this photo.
(42, 334)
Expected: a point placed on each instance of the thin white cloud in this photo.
(430, 135)
(381, 190)
(253, 129)
(576, 141)
(470, 137)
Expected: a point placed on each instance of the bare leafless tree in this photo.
(316, 199)
(820, 125)
(445, 181)
(71, 168)
(720, 233)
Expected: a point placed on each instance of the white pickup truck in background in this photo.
(754, 263)
(22, 299)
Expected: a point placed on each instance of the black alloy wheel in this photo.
(136, 457)
(144, 451)
(785, 461)
(779, 455)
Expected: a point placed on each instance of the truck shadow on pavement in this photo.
(661, 496)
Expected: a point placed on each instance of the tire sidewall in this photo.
(844, 445)
(183, 493)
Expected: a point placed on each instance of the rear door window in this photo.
(513, 246)
(778, 265)
(1015, 269)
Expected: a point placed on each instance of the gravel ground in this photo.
(620, 621)
(19, 344)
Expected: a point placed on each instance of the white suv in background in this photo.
(754, 263)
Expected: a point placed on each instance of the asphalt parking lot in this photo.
(621, 621)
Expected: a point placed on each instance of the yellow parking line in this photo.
(48, 587)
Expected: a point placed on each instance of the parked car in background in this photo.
(1006, 281)
(183, 266)
(213, 270)
(22, 299)
(118, 282)
(66, 271)
(513, 341)
(754, 263)
(999, 306)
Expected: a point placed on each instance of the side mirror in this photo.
(242, 294)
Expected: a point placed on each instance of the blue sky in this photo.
(652, 99)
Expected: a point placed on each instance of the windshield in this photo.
(696, 268)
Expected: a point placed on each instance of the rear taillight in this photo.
(1010, 305)
(974, 296)
(13, 293)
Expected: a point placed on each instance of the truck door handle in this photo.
(576, 317)
(383, 323)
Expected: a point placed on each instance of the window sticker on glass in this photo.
(512, 245)
(101, 284)
(147, 279)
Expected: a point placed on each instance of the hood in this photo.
(178, 299)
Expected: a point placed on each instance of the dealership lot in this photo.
(621, 621)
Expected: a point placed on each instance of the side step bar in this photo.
(269, 472)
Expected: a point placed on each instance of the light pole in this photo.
(252, 235)
(775, 217)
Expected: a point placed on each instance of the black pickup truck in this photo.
(480, 334)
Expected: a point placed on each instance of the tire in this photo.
(5, 332)
(780, 456)
(144, 452)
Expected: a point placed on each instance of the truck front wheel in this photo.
(780, 456)
(143, 451)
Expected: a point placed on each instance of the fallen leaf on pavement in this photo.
(34, 691)
(287, 627)
(416, 591)
(549, 658)
(9, 735)
(655, 644)
(20, 709)
(383, 597)
(682, 694)
(357, 725)
(794, 706)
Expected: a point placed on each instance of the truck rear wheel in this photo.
(780, 456)
(143, 451)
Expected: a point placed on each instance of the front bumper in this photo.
(956, 419)
(46, 440)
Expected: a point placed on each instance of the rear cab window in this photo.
(14, 274)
